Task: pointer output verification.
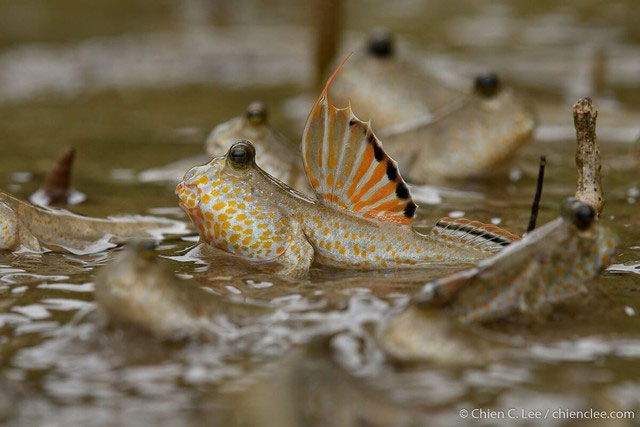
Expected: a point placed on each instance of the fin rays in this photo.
(348, 168)
(472, 233)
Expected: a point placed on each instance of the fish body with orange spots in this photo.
(550, 265)
(360, 218)
(435, 131)
(34, 228)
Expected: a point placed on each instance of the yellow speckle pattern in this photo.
(258, 231)
(8, 228)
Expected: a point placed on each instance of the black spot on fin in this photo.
(402, 191)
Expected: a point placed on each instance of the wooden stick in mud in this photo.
(589, 189)
(535, 206)
(328, 22)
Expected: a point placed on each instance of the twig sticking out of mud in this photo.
(58, 181)
(535, 206)
(589, 189)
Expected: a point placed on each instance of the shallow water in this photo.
(131, 94)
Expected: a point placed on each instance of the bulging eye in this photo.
(256, 113)
(487, 85)
(241, 153)
(381, 43)
(579, 213)
(583, 216)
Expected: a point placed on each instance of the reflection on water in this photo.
(136, 87)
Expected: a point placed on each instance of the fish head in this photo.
(566, 260)
(476, 137)
(590, 243)
(252, 126)
(487, 85)
(231, 202)
(484, 135)
(502, 123)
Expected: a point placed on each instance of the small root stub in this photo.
(58, 180)
(589, 188)
(56, 189)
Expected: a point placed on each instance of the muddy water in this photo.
(133, 87)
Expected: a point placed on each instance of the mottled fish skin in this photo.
(473, 141)
(435, 132)
(32, 227)
(279, 157)
(549, 265)
(8, 227)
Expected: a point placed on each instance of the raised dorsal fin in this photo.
(469, 233)
(347, 167)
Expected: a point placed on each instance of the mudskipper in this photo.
(361, 216)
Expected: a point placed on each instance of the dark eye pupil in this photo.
(241, 154)
(487, 84)
(238, 153)
(584, 216)
(487, 81)
(381, 43)
(256, 112)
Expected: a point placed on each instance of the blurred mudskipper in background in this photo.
(436, 131)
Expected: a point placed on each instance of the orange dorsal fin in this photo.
(347, 166)
(464, 232)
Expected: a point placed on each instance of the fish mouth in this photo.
(188, 198)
